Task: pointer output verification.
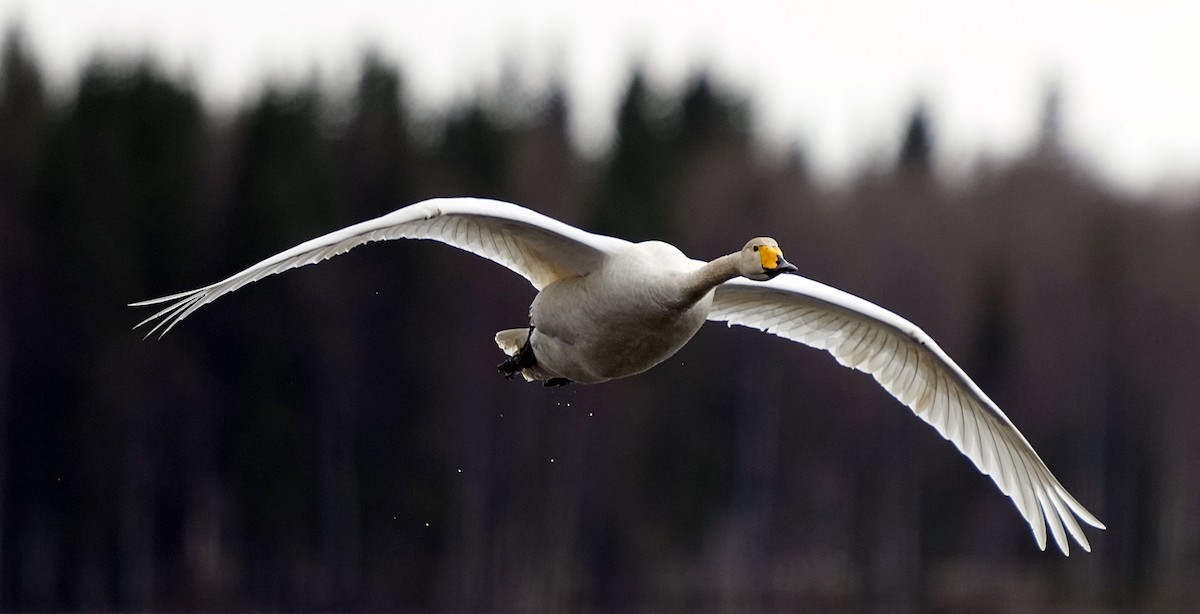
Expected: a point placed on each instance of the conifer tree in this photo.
(916, 149)
(631, 196)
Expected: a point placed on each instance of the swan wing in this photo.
(539, 248)
(909, 365)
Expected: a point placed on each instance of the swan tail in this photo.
(512, 340)
(514, 343)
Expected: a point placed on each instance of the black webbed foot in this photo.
(508, 368)
(556, 382)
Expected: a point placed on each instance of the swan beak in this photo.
(772, 261)
(782, 266)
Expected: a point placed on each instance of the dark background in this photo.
(337, 438)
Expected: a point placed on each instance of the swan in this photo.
(607, 308)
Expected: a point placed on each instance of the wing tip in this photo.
(167, 317)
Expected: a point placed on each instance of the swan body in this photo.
(620, 320)
(608, 308)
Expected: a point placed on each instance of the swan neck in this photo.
(704, 279)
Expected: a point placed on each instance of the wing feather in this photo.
(909, 365)
(539, 248)
(913, 372)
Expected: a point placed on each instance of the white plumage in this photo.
(609, 308)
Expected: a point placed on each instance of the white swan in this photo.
(608, 308)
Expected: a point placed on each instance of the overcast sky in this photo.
(837, 77)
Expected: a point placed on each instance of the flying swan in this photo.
(608, 308)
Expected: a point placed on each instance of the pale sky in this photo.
(837, 77)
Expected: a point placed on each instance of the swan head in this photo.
(762, 259)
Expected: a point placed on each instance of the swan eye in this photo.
(756, 248)
(769, 256)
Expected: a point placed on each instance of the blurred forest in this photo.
(337, 438)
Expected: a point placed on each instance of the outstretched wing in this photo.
(539, 248)
(907, 362)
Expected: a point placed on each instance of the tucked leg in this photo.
(556, 382)
(523, 359)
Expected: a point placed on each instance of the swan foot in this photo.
(556, 382)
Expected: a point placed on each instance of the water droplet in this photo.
(460, 470)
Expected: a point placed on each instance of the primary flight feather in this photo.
(607, 308)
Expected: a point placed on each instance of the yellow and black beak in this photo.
(772, 261)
